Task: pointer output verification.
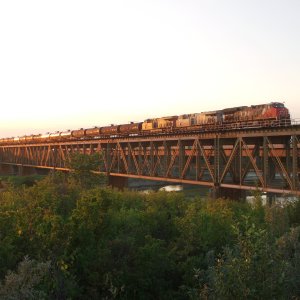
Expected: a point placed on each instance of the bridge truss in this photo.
(263, 159)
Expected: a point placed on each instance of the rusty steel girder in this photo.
(267, 160)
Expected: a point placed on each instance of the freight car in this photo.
(271, 114)
(132, 128)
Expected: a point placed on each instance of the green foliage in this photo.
(17, 181)
(83, 169)
(257, 266)
(27, 282)
(251, 258)
(103, 244)
(277, 219)
(293, 211)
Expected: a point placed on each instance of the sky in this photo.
(72, 64)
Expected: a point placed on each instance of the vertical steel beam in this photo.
(118, 151)
(295, 162)
(288, 157)
(140, 159)
(151, 173)
(197, 159)
(129, 158)
(92, 148)
(180, 158)
(108, 158)
(166, 157)
(266, 161)
(217, 160)
(240, 160)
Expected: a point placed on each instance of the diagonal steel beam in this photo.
(132, 153)
(189, 159)
(281, 166)
(252, 160)
(230, 159)
(206, 160)
(174, 155)
(246, 169)
(123, 156)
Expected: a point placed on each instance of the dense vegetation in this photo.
(67, 238)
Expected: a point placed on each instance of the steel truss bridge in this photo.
(254, 159)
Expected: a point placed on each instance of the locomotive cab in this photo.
(277, 104)
(281, 111)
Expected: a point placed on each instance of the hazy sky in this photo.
(71, 64)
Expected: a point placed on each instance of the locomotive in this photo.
(242, 117)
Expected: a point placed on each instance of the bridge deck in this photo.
(259, 158)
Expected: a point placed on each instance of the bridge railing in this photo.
(258, 124)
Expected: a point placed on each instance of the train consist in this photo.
(274, 113)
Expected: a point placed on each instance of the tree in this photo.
(25, 283)
(83, 168)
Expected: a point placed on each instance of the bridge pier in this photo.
(228, 193)
(26, 171)
(16, 170)
(7, 170)
(118, 182)
(270, 198)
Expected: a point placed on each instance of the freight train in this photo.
(242, 117)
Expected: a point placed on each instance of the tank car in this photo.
(130, 128)
(29, 138)
(78, 133)
(54, 136)
(92, 132)
(110, 130)
(7, 141)
(37, 138)
(25, 139)
(65, 135)
(45, 137)
(22, 139)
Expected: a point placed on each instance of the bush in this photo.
(96, 243)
